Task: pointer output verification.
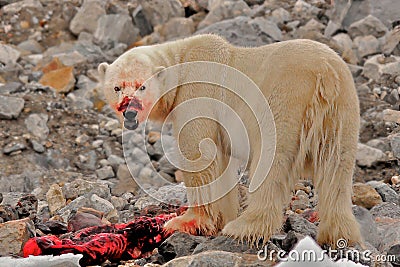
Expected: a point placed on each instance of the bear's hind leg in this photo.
(264, 214)
(334, 193)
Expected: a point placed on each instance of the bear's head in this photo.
(128, 89)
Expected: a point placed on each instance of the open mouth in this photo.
(129, 108)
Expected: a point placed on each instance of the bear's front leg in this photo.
(212, 191)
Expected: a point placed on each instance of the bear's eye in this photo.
(141, 88)
(117, 89)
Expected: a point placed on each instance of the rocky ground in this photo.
(62, 165)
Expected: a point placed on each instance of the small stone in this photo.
(80, 187)
(382, 144)
(141, 21)
(101, 204)
(223, 10)
(280, 15)
(37, 125)
(97, 143)
(158, 12)
(37, 147)
(10, 107)
(368, 227)
(112, 125)
(395, 144)
(395, 180)
(105, 172)
(82, 139)
(365, 196)
(369, 156)
(115, 28)
(369, 25)
(178, 245)
(13, 235)
(366, 45)
(386, 192)
(118, 202)
(20, 5)
(55, 198)
(386, 209)
(82, 219)
(300, 225)
(32, 46)
(61, 79)
(300, 202)
(87, 16)
(8, 55)
(393, 97)
(13, 147)
(390, 115)
(10, 88)
(126, 183)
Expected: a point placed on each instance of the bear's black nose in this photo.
(130, 115)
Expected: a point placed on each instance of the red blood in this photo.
(130, 102)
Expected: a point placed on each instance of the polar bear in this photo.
(313, 100)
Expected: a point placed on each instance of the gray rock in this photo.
(393, 97)
(13, 236)
(280, 15)
(74, 205)
(87, 16)
(141, 22)
(115, 161)
(239, 31)
(304, 10)
(177, 28)
(82, 139)
(158, 12)
(8, 55)
(125, 183)
(56, 159)
(55, 198)
(300, 225)
(369, 25)
(80, 187)
(340, 9)
(368, 156)
(385, 10)
(382, 144)
(395, 144)
(115, 28)
(374, 69)
(105, 172)
(86, 85)
(166, 166)
(79, 103)
(386, 209)
(10, 88)
(10, 107)
(368, 228)
(119, 203)
(37, 125)
(179, 244)
(32, 46)
(20, 5)
(71, 58)
(366, 45)
(13, 147)
(223, 243)
(266, 27)
(37, 147)
(100, 204)
(387, 193)
(87, 161)
(224, 9)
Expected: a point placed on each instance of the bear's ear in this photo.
(102, 70)
(158, 70)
